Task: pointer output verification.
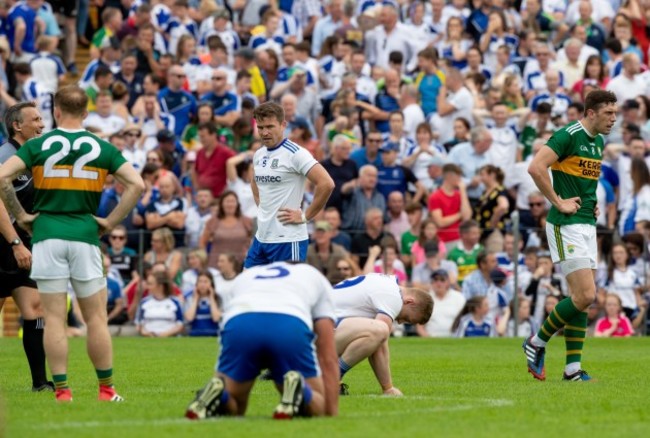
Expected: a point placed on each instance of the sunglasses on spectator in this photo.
(374, 140)
(344, 268)
(218, 78)
(117, 237)
(536, 204)
(439, 279)
(178, 75)
(132, 134)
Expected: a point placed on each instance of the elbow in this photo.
(328, 185)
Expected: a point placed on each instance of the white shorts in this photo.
(65, 259)
(571, 242)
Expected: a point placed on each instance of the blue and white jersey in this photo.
(289, 27)
(203, 325)
(180, 104)
(296, 290)
(482, 69)
(261, 42)
(446, 52)
(280, 176)
(135, 5)
(21, 12)
(490, 55)
(88, 76)
(33, 91)
(192, 68)
(615, 68)
(505, 263)
(228, 37)
(160, 15)
(285, 73)
(426, 33)
(534, 78)
(468, 328)
(46, 69)
(559, 102)
(223, 104)
(175, 28)
(407, 145)
(368, 295)
(332, 70)
(364, 5)
(158, 316)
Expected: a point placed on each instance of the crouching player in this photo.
(270, 321)
(366, 307)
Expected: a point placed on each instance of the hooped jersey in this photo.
(576, 172)
(280, 176)
(69, 168)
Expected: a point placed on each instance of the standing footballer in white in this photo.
(281, 169)
(366, 307)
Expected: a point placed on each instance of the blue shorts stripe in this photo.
(264, 253)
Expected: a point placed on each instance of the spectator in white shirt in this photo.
(197, 217)
(413, 114)
(103, 118)
(448, 304)
(629, 84)
(458, 103)
(391, 36)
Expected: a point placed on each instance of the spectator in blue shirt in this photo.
(387, 100)
(369, 154)
(202, 313)
(225, 103)
(176, 101)
(472, 321)
(21, 29)
(392, 177)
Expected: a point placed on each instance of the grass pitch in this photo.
(452, 387)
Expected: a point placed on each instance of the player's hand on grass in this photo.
(23, 256)
(393, 392)
(26, 222)
(289, 216)
(569, 206)
(104, 225)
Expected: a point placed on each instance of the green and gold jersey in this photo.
(69, 168)
(576, 172)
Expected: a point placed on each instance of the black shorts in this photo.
(11, 282)
(67, 8)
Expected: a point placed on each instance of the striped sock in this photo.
(60, 381)
(563, 312)
(574, 338)
(343, 367)
(105, 377)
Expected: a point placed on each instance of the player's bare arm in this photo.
(133, 188)
(256, 192)
(8, 171)
(329, 364)
(323, 187)
(380, 360)
(538, 170)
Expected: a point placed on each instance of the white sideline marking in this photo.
(472, 404)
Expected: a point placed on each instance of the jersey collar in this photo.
(586, 130)
(15, 143)
(277, 146)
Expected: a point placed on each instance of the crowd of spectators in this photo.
(424, 113)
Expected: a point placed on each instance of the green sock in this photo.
(105, 377)
(60, 381)
(563, 312)
(574, 337)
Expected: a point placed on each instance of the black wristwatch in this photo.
(16, 242)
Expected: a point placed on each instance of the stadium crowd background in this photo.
(425, 114)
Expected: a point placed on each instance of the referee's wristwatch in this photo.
(16, 242)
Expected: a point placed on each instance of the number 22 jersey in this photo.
(69, 169)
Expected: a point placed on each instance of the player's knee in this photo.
(380, 332)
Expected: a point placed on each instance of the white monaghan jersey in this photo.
(33, 91)
(280, 175)
(367, 295)
(297, 290)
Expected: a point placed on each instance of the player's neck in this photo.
(69, 123)
(591, 130)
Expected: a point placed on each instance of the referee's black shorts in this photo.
(11, 276)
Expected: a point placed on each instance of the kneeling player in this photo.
(366, 307)
(270, 321)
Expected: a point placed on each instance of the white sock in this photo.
(537, 341)
(572, 368)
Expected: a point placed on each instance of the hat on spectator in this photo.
(246, 53)
(543, 254)
(439, 273)
(131, 127)
(299, 122)
(435, 160)
(497, 275)
(430, 249)
(630, 104)
(389, 146)
(322, 226)
(165, 135)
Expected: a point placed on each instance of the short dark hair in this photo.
(14, 114)
(578, 107)
(102, 71)
(544, 108)
(453, 168)
(71, 100)
(241, 74)
(467, 225)
(482, 257)
(395, 57)
(211, 127)
(23, 68)
(269, 110)
(597, 99)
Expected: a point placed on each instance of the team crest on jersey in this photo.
(570, 248)
(274, 163)
(584, 149)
